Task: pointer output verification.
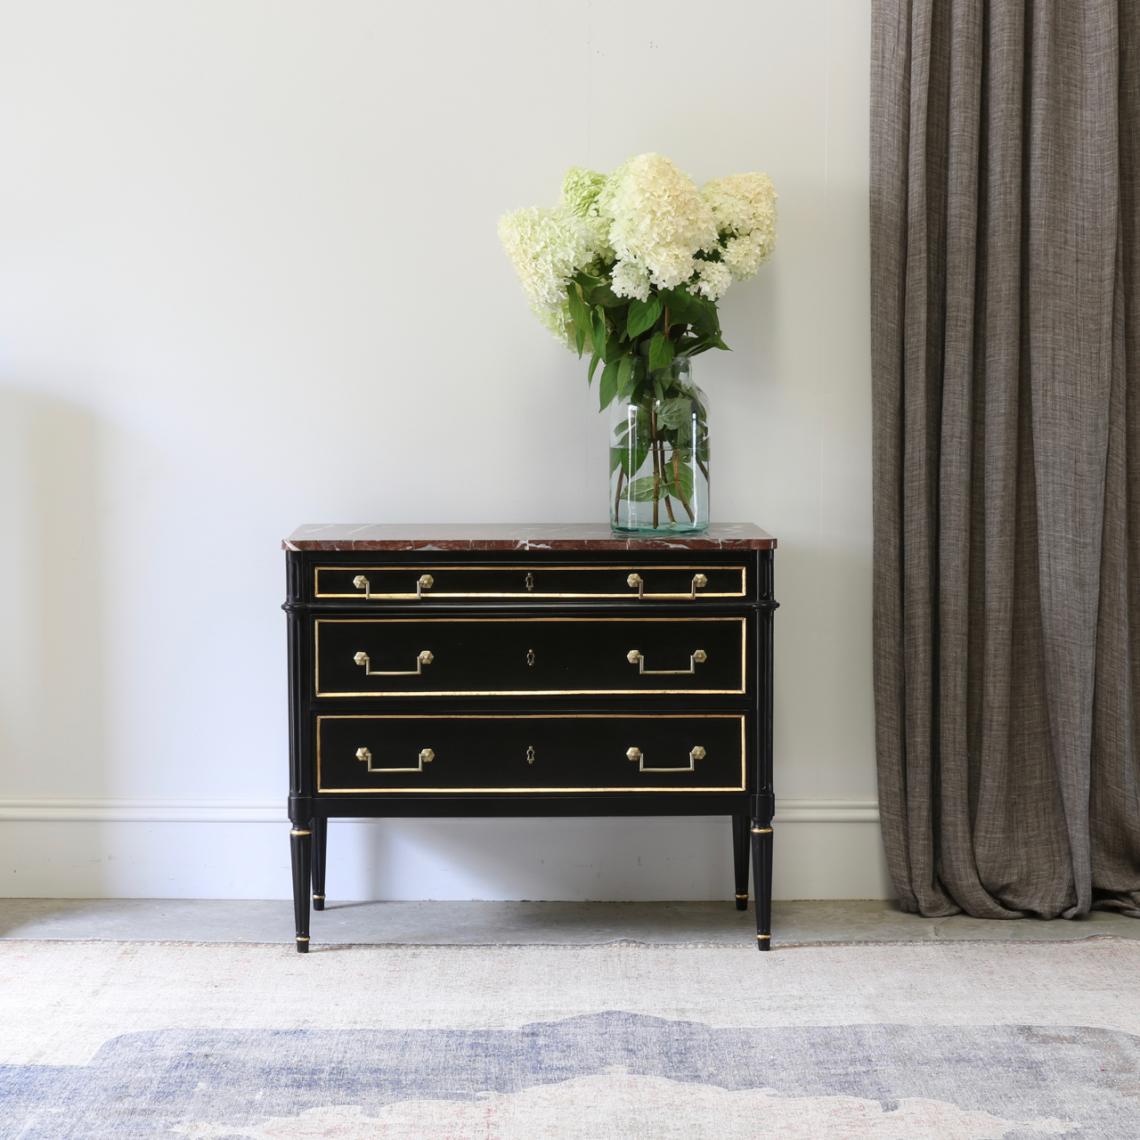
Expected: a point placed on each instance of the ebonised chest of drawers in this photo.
(544, 671)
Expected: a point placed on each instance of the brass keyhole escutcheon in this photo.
(530, 657)
(530, 753)
(529, 580)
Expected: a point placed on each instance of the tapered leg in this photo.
(320, 838)
(301, 847)
(740, 859)
(762, 872)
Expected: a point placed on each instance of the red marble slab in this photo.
(517, 536)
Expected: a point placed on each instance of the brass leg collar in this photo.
(761, 831)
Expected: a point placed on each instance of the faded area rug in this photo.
(963, 1040)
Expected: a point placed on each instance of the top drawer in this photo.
(409, 582)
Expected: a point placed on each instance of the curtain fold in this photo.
(1004, 252)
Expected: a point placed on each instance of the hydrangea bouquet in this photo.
(629, 267)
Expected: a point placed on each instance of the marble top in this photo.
(518, 536)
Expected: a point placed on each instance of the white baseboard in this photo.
(120, 848)
(233, 811)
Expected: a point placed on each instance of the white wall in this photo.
(249, 278)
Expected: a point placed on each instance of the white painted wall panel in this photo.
(249, 278)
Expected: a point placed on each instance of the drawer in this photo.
(531, 656)
(531, 753)
(409, 582)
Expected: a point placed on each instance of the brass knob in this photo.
(426, 582)
(700, 655)
(426, 756)
(633, 581)
(364, 755)
(633, 656)
(360, 657)
(633, 754)
(360, 582)
(426, 657)
(700, 580)
(698, 753)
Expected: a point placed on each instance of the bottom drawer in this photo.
(591, 752)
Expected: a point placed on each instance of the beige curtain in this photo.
(1006, 363)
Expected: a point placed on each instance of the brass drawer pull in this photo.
(426, 757)
(635, 657)
(424, 582)
(636, 582)
(638, 757)
(424, 657)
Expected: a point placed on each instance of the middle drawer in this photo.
(491, 656)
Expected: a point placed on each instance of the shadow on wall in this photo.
(54, 662)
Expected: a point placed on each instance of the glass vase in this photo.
(659, 459)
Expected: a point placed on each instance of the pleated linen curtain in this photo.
(1006, 372)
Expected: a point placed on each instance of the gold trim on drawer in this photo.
(743, 786)
(426, 621)
(418, 595)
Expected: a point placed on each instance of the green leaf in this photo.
(603, 295)
(675, 413)
(699, 312)
(696, 347)
(580, 315)
(629, 459)
(680, 479)
(642, 315)
(641, 490)
(607, 386)
(593, 368)
(660, 352)
(675, 482)
(598, 330)
(625, 376)
(628, 452)
(588, 280)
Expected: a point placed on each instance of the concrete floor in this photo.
(444, 923)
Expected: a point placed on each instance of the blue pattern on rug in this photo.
(147, 1084)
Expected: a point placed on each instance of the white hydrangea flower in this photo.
(630, 280)
(645, 226)
(558, 322)
(580, 190)
(713, 278)
(745, 255)
(659, 219)
(744, 206)
(546, 247)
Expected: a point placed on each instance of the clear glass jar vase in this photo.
(659, 459)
